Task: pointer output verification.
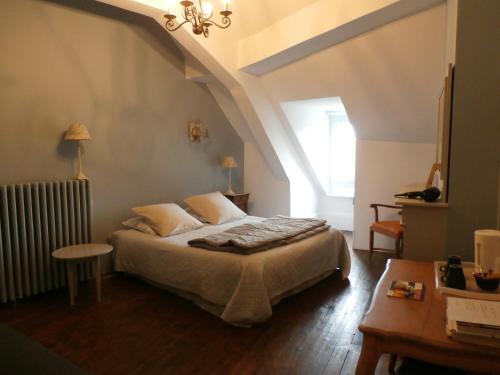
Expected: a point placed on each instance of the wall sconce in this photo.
(197, 131)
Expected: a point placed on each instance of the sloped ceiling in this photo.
(252, 16)
(319, 26)
(389, 79)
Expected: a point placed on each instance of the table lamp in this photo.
(229, 162)
(78, 132)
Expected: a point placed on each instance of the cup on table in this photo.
(452, 259)
(455, 277)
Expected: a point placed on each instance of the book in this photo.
(478, 329)
(406, 289)
(473, 321)
(471, 339)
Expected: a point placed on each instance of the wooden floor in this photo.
(139, 329)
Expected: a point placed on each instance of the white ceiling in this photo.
(323, 105)
(389, 79)
(251, 16)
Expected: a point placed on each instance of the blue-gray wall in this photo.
(475, 138)
(121, 75)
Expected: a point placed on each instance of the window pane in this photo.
(342, 156)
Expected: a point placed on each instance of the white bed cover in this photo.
(243, 286)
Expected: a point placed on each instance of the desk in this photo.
(425, 229)
(416, 329)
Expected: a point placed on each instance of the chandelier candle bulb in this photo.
(207, 10)
(170, 5)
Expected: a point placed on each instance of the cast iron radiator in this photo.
(35, 220)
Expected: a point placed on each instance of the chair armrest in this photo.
(375, 206)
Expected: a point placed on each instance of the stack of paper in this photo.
(473, 321)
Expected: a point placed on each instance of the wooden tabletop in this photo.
(422, 322)
(89, 250)
(419, 203)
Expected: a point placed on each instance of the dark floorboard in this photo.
(139, 329)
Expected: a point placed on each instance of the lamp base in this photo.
(81, 176)
(229, 192)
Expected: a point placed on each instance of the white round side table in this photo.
(79, 253)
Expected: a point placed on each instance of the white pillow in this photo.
(191, 212)
(167, 219)
(214, 207)
(138, 224)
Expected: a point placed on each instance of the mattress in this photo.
(241, 289)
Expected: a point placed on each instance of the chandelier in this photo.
(200, 18)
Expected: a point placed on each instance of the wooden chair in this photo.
(391, 228)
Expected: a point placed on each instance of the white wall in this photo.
(389, 80)
(382, 169)
(338, 211)
(269, 195)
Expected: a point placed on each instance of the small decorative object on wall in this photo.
(78, 132)
(229, 162)
(197, 131)
(200, 18)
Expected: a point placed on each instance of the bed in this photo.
(240, 289)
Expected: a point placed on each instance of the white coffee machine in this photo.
(487, 249)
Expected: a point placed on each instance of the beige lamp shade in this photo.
(77, 132)
(229, 162)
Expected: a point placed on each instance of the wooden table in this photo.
(79, 253)
(416, 329)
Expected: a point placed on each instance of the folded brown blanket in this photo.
(251, 238)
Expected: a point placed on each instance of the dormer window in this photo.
(341, 156)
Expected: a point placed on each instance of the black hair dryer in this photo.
(429, 195)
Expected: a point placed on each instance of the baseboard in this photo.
(362, 250)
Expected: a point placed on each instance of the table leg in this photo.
(370, 354)
(75, 274)
(392, 364)
(71, 280)
(97, 273)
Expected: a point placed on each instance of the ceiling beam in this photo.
(319, 26)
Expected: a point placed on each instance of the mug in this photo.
(452, 259)
(455, 277)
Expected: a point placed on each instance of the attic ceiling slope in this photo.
(318, 26)
(389, 79)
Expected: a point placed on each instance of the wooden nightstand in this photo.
(240, 200)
